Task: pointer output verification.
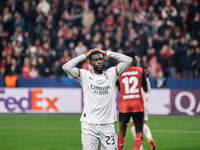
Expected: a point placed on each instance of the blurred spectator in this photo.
(187, 64)
(151, 14)
(155, 67)
(14, 68)
(33, 69)
(140, 18)
(43, 7)
(169, 11)
(27, 39)
(49, 32)
(26, 68)
(135, 4)
(57, 69)
(96, 40)
(160, 81)
(80, 48)
(88, 18)
(60, 47)
(167, 56)
(2, 71)
(41, 66)
(19, 22)
(197, 58)
(17, 36)
(100, 15)
(87, 40)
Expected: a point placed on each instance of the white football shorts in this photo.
(102, 135)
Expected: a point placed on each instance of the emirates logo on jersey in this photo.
(100, 90)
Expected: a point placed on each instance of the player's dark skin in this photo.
(97, 62)
(96, 57)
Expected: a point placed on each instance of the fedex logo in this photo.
(35, 100)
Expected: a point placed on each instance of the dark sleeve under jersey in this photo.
(118, 85)
(144, 82)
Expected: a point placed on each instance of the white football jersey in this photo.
(98, 89)
(99, 96)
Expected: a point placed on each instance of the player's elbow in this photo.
(65, 67)
(129, 61)
(145, 89)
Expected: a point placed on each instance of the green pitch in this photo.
(62, 132)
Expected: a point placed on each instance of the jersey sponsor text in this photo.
(129, 73)
(131, 96)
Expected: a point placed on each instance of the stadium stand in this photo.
(38, 36)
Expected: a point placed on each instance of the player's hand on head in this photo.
(102, 51)
(93, 50)
(89, 52)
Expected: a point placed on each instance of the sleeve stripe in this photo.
(116, 71)
(79, 73)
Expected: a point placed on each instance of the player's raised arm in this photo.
(124, 61)
(69, 67)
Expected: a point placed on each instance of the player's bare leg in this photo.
(122, 133)
(139, 136)
(147, 133)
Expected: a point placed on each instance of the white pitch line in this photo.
(65, 128)
(176, 131)
(37, 128)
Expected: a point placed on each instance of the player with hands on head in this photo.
(99, 111)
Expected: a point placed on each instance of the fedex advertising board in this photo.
(56, 100)
(69, 100)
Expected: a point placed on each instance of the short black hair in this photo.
(95, 52)
(132, 53)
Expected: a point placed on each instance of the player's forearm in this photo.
(125, 61)
(148, 85)
(69, 67)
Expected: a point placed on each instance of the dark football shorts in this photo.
(137, 117)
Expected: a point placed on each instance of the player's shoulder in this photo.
(86, 72)
(111, 69)
(135, 68)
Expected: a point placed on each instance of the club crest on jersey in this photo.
(91, 78)
(107, 77)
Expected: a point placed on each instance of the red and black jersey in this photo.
(131, 82)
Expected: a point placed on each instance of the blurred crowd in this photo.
(38, 36)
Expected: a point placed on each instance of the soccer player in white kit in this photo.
(99, 111)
